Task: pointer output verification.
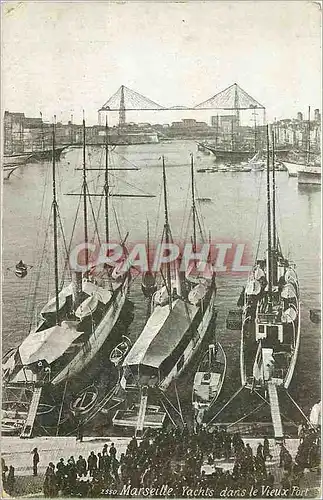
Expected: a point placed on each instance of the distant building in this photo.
(300, 116)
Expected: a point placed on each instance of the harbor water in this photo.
(232, 209)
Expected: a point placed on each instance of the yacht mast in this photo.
(86, 238)
(148, 244)
(193, 203)
(274, 189)
(269, 241)
(106, 183)
(167, 235)
(54, 205)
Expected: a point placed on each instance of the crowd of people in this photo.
(182, 461)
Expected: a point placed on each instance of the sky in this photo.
(63, 57)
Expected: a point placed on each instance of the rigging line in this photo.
(169, 416)
(245, 416)
(199, 216)
(72, 234)
(300, 409)
(170, 403)
(202, 230)
(94, 219)
(188, 225)
(185, 210)
(268, 403)
(100, 207)
(62, 231)
(126, 159)
(128, 183)
(158, 212)
(258, 208)
(259, 239)
(39, 232)
(73, 191)
(61, 408)
(38, 272)
(66, 251)
(226, 404)
(117, 222)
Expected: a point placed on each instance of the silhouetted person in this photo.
(4, 469)
(266, 451)
(92, 463)
(35, 461)
(10, 480)
(112, 451)
(81, 466)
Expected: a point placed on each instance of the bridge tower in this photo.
(122, 108)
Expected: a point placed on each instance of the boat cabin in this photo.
(159, 353)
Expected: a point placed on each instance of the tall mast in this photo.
(269, 249)
(106, 183)
(54, 204)
(148, 243)
(86, 239)
(274, 189)
(255, 130)
(309, 135)
(42, 132)
(217, 131)
(167, 239)
(193, 203)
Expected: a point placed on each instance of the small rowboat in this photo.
(208, 380)
(84, 401)
(20, 269)
(120, 351)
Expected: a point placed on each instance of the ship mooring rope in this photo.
(226, 404)
(179, 403)
(300, 409)
(245, 416)
(268, 403)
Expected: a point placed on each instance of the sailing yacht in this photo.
(74, 324)
(181, 312)
(270, 333)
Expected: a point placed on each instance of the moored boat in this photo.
(16, 159)
(182, 310)
(270, 334)
(74, 324)
(208, 380)
(309, 175)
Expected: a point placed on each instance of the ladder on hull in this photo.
(32, 412)
(275, 411)
(141, 414)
